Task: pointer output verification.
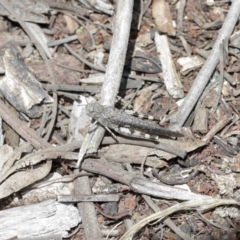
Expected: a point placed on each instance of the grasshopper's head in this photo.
(94, 109)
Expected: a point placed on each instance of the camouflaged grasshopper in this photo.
(125, 124)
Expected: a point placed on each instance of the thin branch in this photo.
(118, 51)
(87, 209)
(101, 69)
(180, 16)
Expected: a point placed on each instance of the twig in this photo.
(112, 230)
(222, 123)
(221, 79)
(89, 198)
(62, 40)
(118, 51)
(159, 190)
(224, 131)
(186, 46)
(180, 16)
(101, 69)
(209, 66)
(87, 210)
(72, 88)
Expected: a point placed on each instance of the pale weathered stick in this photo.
(87, 209)
(206, 72)
(221, 124)
(171, 79)
(114, 71)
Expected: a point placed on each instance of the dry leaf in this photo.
(72, 25)
(20, 180)
(190, 63)
(85, 40)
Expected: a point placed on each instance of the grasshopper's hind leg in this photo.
(135, 133)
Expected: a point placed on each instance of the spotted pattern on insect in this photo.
(142, 116)
(112, 118)
(135, 133)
